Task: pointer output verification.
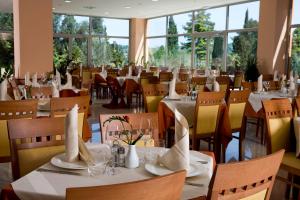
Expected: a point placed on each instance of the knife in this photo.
(58, 172)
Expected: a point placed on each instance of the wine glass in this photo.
(267, 85)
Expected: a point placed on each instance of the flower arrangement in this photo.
(130, 139)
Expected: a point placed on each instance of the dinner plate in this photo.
(60, 161)
(172, 98)
(159, 170)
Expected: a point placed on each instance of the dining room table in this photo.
(49, 182)
(186, 106)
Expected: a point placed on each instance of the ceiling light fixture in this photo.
(106, 13)
(68, 1)
(155, 0)
(127, 7)
(53, 8)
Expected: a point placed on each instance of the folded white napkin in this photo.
(103, 72)
(260, 83)
(27, 79)
(55, 91)
(58, 79)
(178, 158)
(68, 85)
(129, 71)
(207, 72)
(3, 90)
(216, 86)
(71, 135)
(275, 76)
(172, 92)
(34, 80)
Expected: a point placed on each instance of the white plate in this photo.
(172, 98)
(60, 161)
(195, 170)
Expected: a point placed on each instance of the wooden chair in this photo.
(182, 88)
(238, 79)
(224, 82)
(248, 86)
(268, 77)
(165, 76)
(162, 187)
(61, 106)
(199, 83)
(206, 118)
(68, 93)
(38, 92)
(183, 76)
(31, 154)
(101, 86)
(279, 115)
(236, 105)
(253, 179)
(13, 110)
(134, 120)
(153, 94)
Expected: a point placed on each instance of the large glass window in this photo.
(156, 26)
(296, 49)
(198, 38)
(296, 12)
(157, 51)
(210, 20)
(97, 46)
(244, 15)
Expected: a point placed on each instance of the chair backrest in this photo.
(63, 105)
(207, 112)
(86, 75)
(44, 139)
(137, 121)
(238, 78)
(183, 76)
(252, 179)
(182, 88)
(268, 77)
(153, 94)
(278, 115)
(199, 80)
(236, 104)
(13, 110)
(165, 76)
(37, 92)
(162, 187)
(248, 85)
(68, 93)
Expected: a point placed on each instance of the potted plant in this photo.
(127, 136)
(251, 73)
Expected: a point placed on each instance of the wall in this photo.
(33, 36)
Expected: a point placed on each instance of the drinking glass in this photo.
(101, 156)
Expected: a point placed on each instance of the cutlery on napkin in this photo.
(75, 147)
(178, 157)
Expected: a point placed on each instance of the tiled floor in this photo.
(252, 146)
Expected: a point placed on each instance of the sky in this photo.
(296, 17)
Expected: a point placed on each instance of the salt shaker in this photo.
(121, 156)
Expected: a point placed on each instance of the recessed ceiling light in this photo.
(68, 1)
(127, 7)
(155, 0)
(53, 8)
(106, 13)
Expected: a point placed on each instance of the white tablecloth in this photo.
(122, 79)
(52, 186)
(185, 106)
(255, 99)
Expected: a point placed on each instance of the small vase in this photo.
(132, 159)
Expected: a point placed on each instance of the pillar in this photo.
(33, 36)
(273, 36)
(137, 40)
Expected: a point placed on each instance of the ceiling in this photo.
(120, 8)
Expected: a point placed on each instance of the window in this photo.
(210, 20)
(6, 22)
(179, 51)
(296, 49)
(177, 23)
(296, 13)
(156, 26)
(202, 39)
(244, 15)
(157, 51)
(241, 46)
(106, 42)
